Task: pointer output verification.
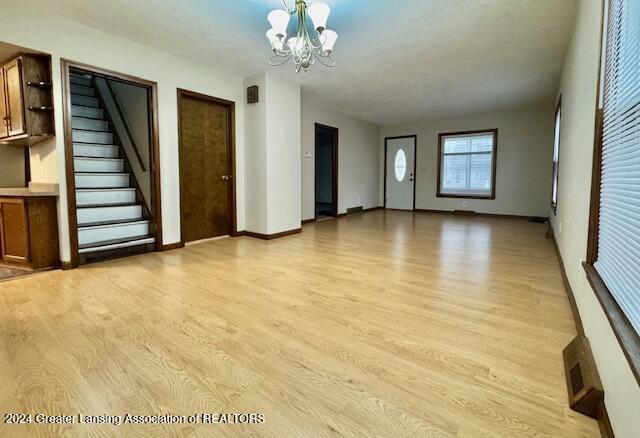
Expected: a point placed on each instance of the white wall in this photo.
(358, 159)
(41, 26)
(578, 89)
(273, 156)
(283, 155)
(11, 166)
(134, 101)
(525, 147)
(256, 156)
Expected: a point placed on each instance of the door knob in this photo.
(225, 177)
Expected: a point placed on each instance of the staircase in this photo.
(110, 213)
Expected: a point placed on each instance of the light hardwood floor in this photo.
(380, 324)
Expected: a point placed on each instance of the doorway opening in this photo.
(326, 172)
(207, 166)
(112, 162)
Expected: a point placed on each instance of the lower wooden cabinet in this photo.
(29, 232)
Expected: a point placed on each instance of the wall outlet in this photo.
(464, 204)
(307, 154)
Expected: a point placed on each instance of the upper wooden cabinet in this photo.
(26, 103)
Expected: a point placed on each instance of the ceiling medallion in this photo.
(310, 44)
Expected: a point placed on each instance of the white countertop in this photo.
(33, 190)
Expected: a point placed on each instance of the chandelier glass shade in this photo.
(311, 43)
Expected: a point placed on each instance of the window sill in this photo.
(452, 195)
(627, 337)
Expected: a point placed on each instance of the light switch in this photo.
(307, 154)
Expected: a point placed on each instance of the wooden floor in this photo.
(379, 324)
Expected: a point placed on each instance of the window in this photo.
(556, 157)
(467, 164)
(613, 257)
(400, 165)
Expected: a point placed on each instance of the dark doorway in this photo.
(326, 187)
(207, 183)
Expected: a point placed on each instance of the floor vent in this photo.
(355, 209)
(577, 382)
(583, 383)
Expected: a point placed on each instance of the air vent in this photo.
(583, 382)
(354, 209)
(577, 382)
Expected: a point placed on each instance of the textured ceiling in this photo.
(398, 61)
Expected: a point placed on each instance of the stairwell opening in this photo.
(112, 164)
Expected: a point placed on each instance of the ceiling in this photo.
(398, 61)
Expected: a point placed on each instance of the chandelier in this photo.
(310, 44)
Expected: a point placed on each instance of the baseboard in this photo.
(567, 286)
(364, 210)
(603, 417)
(239, 233)
(603, 422)
(272, 236)
(473, 213)
(308, 221)
(171, 246)
(66, 265)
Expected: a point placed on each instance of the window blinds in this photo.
(618, 261)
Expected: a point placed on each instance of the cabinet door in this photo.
(15, 230)
(4, 120)
(14, 98)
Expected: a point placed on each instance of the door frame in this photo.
(415, 161)
(231, 156)
(334, 168)
(154, 152)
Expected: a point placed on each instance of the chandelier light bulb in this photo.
(293, 44)
(279, 20)
(276, 43)
(329, 38)
(319, 13)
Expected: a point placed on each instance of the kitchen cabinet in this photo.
(26, 102)
(29, 231)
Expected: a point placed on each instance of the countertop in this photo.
(34, 190)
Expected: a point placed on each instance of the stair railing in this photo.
(132, 139)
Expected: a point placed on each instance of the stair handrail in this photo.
(136, 149)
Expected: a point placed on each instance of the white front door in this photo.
(400, 168)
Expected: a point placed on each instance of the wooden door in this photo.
(4, 119)
(205, 168)
(13, 90)
(15, 230)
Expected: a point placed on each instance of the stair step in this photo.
(91, 215)
(110, 165)
(116, 244)
(79, 79)
(87, 124)
(95, 150)
(83, 90)
(101, 180)
(85, 111)
(86, 197)
(77, 99)
(95, 137)
(93, 233)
